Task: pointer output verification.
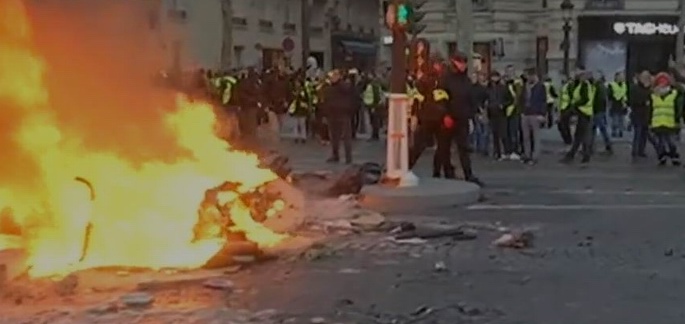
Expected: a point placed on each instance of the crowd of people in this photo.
(499, 115)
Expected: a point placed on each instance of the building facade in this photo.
(606, 35)
(339, 31)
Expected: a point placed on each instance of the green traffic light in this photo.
(403, 14)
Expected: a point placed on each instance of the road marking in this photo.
(575, 207)
(586, 192)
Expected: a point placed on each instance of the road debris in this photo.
(515, 240)
(137, 300)
(440, 266)
(219, 284)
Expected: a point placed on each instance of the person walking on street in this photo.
(299, 109)
(640, 96)
(565, 113)
(665, 115)
(599, 119)
(618, 102)
(494, 102)
(460, 108)
(372, 98)
(513, 119)
(582, 103)
(481, 124)
(533, 112)
(433, 123)
(552, 97)
(338, 107)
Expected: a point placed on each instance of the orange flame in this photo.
(144, 209)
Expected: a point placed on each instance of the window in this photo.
(544, 4)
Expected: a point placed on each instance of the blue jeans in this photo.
(665, 146)
(617, 124)
(512, 135)
(480, 138)
(599, 122)
(641, 135)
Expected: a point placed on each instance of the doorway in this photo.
(605, 56)
(652, 56)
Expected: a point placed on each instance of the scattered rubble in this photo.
(137, 300)
(219, 284)
(515, 240)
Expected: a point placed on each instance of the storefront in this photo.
(353, 52)
(626, 43)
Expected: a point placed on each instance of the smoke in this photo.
(101, 58)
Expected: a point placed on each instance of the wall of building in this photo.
(520, 22)
(262, 25)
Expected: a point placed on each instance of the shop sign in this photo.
(648, 28)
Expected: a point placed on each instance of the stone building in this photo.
(339, 31)
(606, 35)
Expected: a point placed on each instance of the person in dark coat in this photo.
(431, 115)
(461, 108)
(496, 93)
(338, 107)
(640, 97)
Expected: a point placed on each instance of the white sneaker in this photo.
(514, 157)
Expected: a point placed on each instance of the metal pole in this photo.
(567, 48)
(305, 8)
(680, 39)
(465, 30)
(397, 150)
(227, 39)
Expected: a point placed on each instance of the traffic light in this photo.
(415, 16)
(406, 15)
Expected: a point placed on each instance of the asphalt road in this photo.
(609, 249)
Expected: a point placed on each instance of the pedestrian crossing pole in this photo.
(397, 154)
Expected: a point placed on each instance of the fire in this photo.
(125, 212)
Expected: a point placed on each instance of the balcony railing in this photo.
(316, 31)
(289, 28)
(481, 5)
(266, 25)
(239, 23)
(604, 4)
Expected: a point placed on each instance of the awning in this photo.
(361, 48)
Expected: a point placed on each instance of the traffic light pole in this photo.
(397, 158)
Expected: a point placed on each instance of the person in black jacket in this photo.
(640, 99)
(431, 125)
(496, 93)
(338, 107)
(461, 108)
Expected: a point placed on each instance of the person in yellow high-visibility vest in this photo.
(666, 112)
(513, 121)
(582, 101)
(299, 109)
(618, 104)
(372, 97)
(565, 112)
(552, 96)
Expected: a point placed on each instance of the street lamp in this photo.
(567, 14)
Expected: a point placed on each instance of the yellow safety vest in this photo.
(663, 110)
(509, 110)
(414, 95)
(586, 109)
(439, 95)
(548, 90)
(368, 95)
(301, 100)
(228, 91)
(619, 91)
(565, 98)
